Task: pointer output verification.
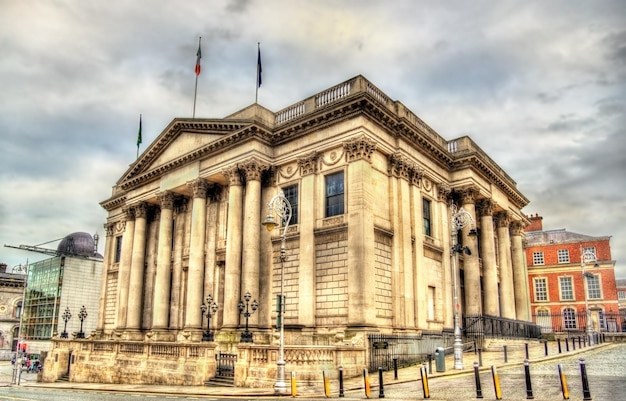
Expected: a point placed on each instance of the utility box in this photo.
(440, 359)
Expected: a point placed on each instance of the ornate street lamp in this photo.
(207, 308)
(587, 256)
(461, 218)
(280, 206)
(246, 336)
(82, 315)
(66, 317)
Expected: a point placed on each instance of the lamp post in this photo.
(280, 206)
(18, 361)
(82, 315)
(66, 317)
(461, 218)
(206, 310)
(587, 256)
(246, 336)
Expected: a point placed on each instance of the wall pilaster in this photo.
(123, 274)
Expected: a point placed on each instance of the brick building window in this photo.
(567, 290)
(291, 193)
(569, 318)
(541, 289)
(621, 294)
(563, 255)
(593, 286)
(334, 194)
(538, 258)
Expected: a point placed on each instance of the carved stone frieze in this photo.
(308, 163)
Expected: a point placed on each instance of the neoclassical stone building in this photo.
(368, 248)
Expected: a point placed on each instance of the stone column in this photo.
(507, 288)
(520, 276)
(195, 275)
(471, 264)
(443, 218)
(488, 253)
(178, 286)
(211, 278)
(306, 277)
(252, 232)
(360, 207)
(123, 273)
(133, 321)
(109, 252)
(232, 273)
(160, 312)
(402, 264)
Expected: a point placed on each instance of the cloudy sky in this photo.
(540, 86)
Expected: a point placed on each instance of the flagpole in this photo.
(195, 91)
(258, 73)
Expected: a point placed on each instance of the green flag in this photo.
(139, 133)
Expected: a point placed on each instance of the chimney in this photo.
(535, 223)
(3, 267)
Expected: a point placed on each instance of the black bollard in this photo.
(573, 344)
(341, 394)
(529, 386)
(430, 364)
(583, 377)
(479, 391)
(545, 348)
(381, 384)
(506, 357)
(558, 343)
(579, 342)
(566, 344)
(480, 356)
(395, 368)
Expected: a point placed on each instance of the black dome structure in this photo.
(78, 244)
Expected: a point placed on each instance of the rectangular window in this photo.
(538, 258)
(118, 249)
(567, 291)
(593, 286)
(291, 193)
(563, 255)
(334, 194)
(426, 214)
(541, 289)
(589, 254)
(621, 294)
(569, 318)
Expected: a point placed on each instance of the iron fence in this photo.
(384, 349)
(576, 322)
(479, 327)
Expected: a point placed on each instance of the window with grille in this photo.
(563, 255)
(567, 291)
(541, 289)
(621, 294)
(593, 286)
(334, 194)
(291, 193)
(569, 318)
(538, 258)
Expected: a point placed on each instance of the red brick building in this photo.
(558, 262)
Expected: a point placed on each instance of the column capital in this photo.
(468, 195)
(109, 229)
(485, 207)
(308, 163)
(233, 175)
(167, 199)
(399, 166)
(253, 168)
(516, 228)
(503, 219)
(199, 187)
(141, 210)
(443, 192)
(359, 148)
(129, 213)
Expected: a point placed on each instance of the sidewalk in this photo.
(515, 356)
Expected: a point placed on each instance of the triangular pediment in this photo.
(180, 138)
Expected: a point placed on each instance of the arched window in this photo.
(569, 319)
(18, 309)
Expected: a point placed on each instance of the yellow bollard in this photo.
(326, 384)
(366, 380)
(294, 389)
(424, 375)
(564, 388)
(496, 382)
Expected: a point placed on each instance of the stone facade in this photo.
(11, 298)
(370, 252)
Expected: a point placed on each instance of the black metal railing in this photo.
(576, 323)
(225, 365)
(478, 327)
(386, 350)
